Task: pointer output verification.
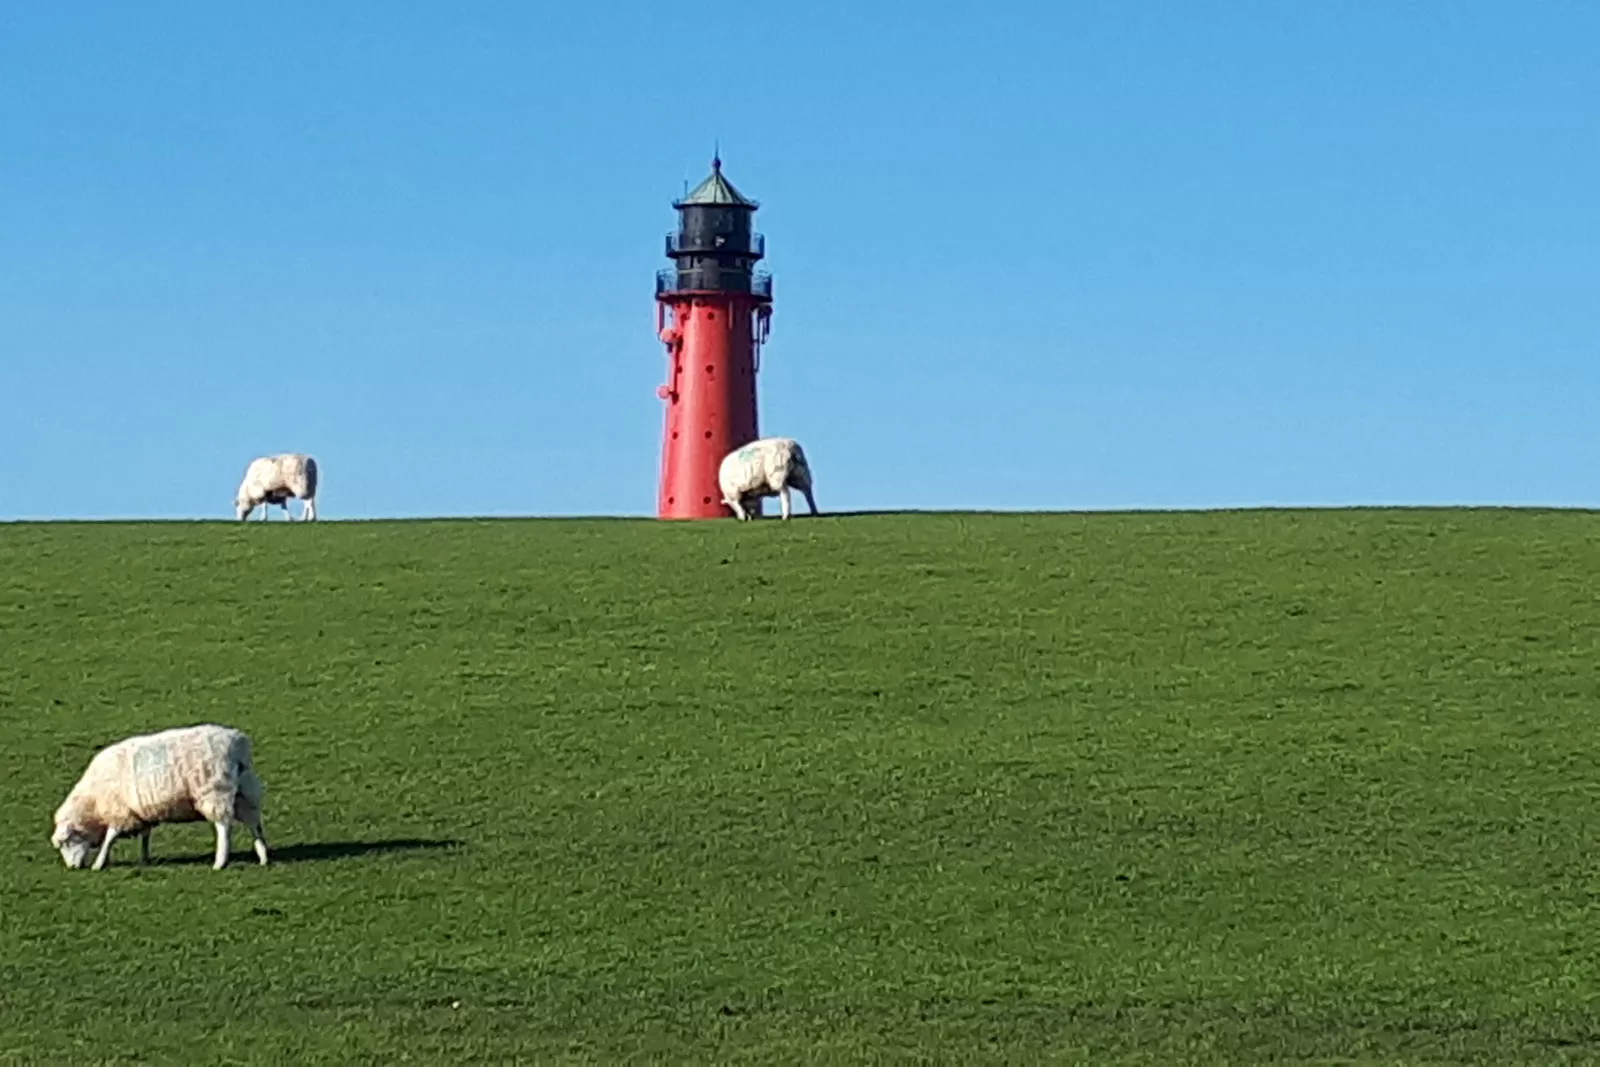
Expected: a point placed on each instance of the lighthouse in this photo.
(713, 310)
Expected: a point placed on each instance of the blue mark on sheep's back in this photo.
(150, 760)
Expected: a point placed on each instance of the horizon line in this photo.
(799, 516)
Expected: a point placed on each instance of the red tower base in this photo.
(712, 343)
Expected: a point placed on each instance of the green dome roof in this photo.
(716, 190)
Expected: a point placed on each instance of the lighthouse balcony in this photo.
(743, 244)
(714, 280)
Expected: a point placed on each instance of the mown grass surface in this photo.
(1230, 787)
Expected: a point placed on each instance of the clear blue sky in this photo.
(1032, 256)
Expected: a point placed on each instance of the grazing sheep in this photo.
(175, 776)
(763, 468)
(273, 480)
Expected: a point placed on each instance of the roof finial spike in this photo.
(716, 154)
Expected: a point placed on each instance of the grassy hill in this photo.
(1229, 787)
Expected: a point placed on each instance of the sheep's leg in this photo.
(783, 495)
(223, 844)
(811, 501)
(104, 857)
(260, 833)
(144, 848)
(738, 508)
(309, 512)
(246, 811)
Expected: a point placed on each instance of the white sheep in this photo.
(273, 480)
(767, 467)
(174, 776)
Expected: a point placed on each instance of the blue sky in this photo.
(1027, 256)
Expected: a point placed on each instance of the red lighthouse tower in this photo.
(713, 309)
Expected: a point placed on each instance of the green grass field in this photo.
(1250, 787)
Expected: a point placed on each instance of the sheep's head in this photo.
(76, 844)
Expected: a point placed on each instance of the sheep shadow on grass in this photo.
(307, 852)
